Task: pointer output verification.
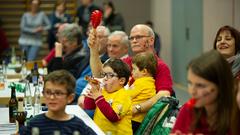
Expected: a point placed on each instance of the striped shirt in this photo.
(47, 126)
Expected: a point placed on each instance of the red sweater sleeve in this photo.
(106, 109)
(89, 103)
(51, 55)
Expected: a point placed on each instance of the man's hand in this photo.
(58, 49)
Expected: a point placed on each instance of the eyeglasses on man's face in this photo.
(137, 37)
(109, 75)
(57, 93)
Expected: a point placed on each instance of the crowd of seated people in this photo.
(132, 75)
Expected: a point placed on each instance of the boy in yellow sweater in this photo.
(113, 105)
(144, 68)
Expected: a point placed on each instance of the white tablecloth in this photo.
(70, 109)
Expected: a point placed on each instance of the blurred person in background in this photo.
(33, 23)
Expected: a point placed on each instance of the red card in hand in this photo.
(96, 18)
(191, 102)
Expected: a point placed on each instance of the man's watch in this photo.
(138, 108)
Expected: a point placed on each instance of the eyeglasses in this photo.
(137, 37)
(109, 75)
(56, 94)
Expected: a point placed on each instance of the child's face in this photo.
(111, 81)
(56, 96)
(203, 91)
(238, 95)
(136, 73)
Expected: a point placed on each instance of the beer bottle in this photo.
(13, 104)
(21, 115)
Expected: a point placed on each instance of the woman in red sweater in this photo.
(210, 83)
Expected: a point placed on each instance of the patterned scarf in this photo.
(235, 62)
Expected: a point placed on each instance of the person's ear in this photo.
(70, 98)
(122, 80)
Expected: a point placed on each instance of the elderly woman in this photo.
(33, 23)
(69, 52)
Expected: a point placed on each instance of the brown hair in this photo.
(213, 67)
(62, 77)
(234, 33)
(146, 60)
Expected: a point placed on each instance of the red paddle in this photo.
(96, 18)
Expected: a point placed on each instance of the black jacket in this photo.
(75, 62)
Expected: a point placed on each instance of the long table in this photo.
(70, 109)
(6, 93)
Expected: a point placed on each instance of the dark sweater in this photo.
(47, 126)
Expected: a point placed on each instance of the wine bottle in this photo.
(13, 105)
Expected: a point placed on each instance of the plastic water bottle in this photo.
(28, 99)
(37, 102)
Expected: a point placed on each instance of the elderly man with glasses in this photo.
(141, 40)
